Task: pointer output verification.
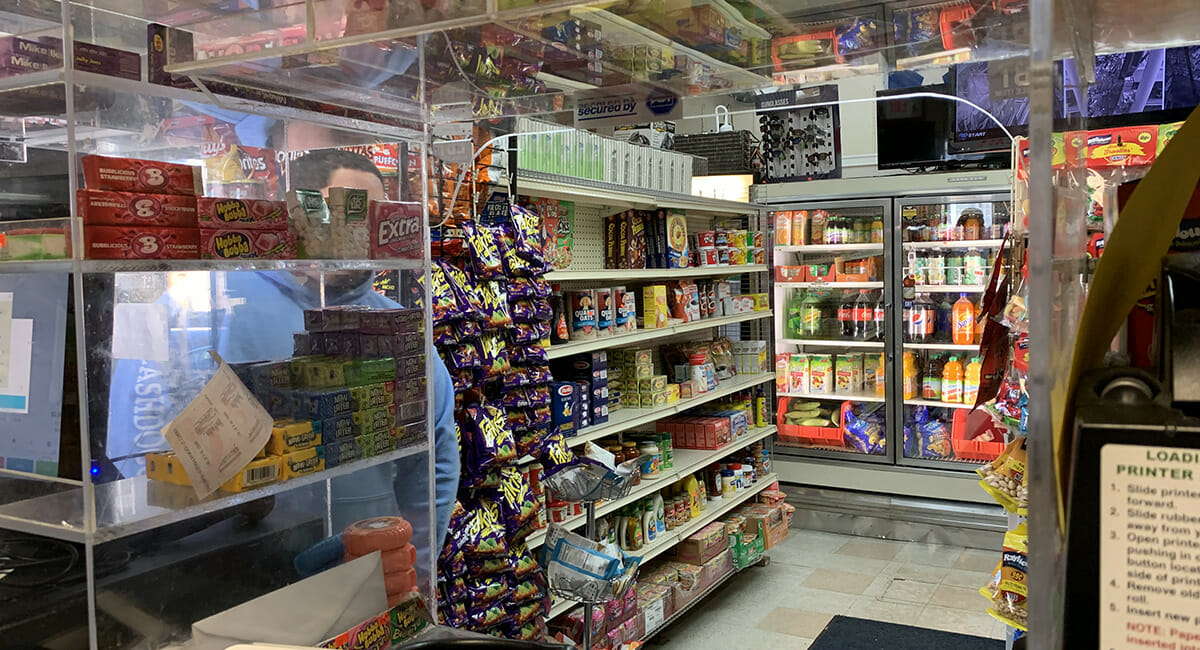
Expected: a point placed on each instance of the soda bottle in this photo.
(810, 316)
(952, 381)
(963, 331)
(931, 385)
(943, 319)
(920, 320)
(845, 315)
(879, 316)
(907, 294)
(864, 316)
(971, 380)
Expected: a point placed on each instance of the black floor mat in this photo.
(846, 633)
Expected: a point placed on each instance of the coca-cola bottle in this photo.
(879, 319)
(864, 316)
(845, 315)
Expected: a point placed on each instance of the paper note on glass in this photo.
(219, 433)
(6, 310)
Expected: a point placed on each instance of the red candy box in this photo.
(100, 207)
(140, 242)
(257, 214)
(131, 175)
(247, 243)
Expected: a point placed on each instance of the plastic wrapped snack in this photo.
(310, 219)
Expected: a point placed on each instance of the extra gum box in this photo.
(228, 244)
(256, 214)
(105, 208)
(132, 175)
(140, 242)
(396, 230)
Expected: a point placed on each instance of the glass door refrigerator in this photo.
(833, 329)
(945, 252)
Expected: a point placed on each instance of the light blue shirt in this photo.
(265, 309)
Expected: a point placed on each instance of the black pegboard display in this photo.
(801, 134)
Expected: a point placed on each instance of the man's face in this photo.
(358, 180)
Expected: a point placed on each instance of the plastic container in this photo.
(822, 436)
(965, 421)
(963, 321)
(651, 467)
(952, 381)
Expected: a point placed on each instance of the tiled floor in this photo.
(813, 576)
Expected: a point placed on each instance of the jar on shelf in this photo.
(652, 466)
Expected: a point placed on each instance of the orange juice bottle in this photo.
(952, 381)
(880, 378)
(911, 380)
(971, 381)
(962, 324)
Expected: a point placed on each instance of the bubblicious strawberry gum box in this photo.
(105, 208)
(247, 243)
(132, 175)
(396, 230)
(140, 242)
(243, 214)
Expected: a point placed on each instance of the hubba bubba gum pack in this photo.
(244, 229)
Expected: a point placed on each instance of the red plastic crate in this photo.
(972, 421)
(824, 436)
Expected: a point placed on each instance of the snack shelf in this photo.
(652, 274)
(123, 507)
(831, 248)
(838, 397)
(153, 266)
(939, 404)
(88, 82)
(941, 346)
(687, 461)
(962, 243)
(847, 343)
(567, 349)
(627, 418)
(670, 538)
(612, 23)
(950, 288)
(829, 285)
(592, 192)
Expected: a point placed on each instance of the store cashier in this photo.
(265, 308)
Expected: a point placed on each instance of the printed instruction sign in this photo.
(1149, 547)
(219, 433)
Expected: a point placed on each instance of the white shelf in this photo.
(836, 343)
(831, 248)
(965, 243)
(687, 462)
(951, 288)
(567, 349)
(628, 418)
(942, 346)
(930, 402)
(592, 192)
(830, 285)
(652, 274)
(838, 397)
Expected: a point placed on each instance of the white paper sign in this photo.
(1149, 547)
(6, 310)
(140, 331)
(654, 615)
(14, 392)
(219, 432)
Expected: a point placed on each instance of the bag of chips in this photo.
(485, 252)
(520, 504)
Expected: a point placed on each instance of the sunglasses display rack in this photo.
(800, 143)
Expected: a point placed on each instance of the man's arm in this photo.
(445, 443)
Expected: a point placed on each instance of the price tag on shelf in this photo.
(654, 615)
(220, 432)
